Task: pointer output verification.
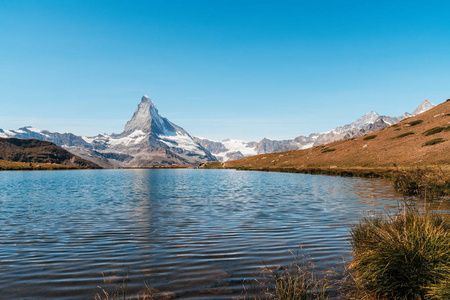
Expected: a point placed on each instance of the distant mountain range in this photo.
(149, 139)
(419, 141)
(235, 149)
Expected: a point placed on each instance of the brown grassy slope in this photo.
(37, 151)
(399, 145)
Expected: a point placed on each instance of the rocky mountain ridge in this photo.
(236, 149)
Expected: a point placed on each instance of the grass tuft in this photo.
(403, 257)
(403, 135)
(369, 137)
(433, 130)
(416, 122)
(433, 142)
(325, 150)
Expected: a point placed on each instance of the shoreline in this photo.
(432, 181)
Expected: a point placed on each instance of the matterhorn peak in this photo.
(423, 107)
(146, 99)
(147, 119)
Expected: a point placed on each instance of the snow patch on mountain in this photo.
(239, 146)
(135, 137)
(182, 142)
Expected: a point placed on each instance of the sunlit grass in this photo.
(13, 165)
(403, 257)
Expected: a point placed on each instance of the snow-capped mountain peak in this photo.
(147, 119)
(368, 118)
(361, 122)
(423, 107)
(145, 98)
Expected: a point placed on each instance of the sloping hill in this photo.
(422, 140)
(36, 151)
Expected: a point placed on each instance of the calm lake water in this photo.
(194, 234)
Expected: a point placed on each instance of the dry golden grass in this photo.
(393, 147)
(12, 165)
(163, 167)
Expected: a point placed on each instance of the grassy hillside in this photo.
(422, 140)
(38, 152)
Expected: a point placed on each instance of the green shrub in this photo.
(433, 130)
(416, 122)
(403, 257)
(403, 135)
(433, 142)
(369, 137)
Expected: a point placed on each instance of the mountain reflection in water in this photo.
(190, 233)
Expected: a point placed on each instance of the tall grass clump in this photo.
(403, 257)
(298, 281)
(120, 291)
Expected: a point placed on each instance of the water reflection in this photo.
(193, 233)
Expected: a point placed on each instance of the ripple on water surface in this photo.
(193, 233)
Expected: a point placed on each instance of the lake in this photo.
(191, 234)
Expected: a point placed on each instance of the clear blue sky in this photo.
(224, 68)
